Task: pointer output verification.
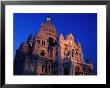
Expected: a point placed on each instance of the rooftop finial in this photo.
(48, 18)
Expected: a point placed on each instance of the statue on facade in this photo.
(68, 53)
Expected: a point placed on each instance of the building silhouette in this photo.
(49, 54)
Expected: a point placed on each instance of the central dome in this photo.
(48, 27)
(47, 30)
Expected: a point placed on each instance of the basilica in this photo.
(48, 53)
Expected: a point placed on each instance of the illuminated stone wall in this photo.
(48, 54)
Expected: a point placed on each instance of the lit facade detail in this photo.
(49, 54)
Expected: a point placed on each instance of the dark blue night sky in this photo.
(83, 26)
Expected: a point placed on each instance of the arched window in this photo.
(38, 41)
(76, 52)
(42, 53)
(43, 42)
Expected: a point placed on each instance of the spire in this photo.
(20, 45)
(29, 38)
(61, 37)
